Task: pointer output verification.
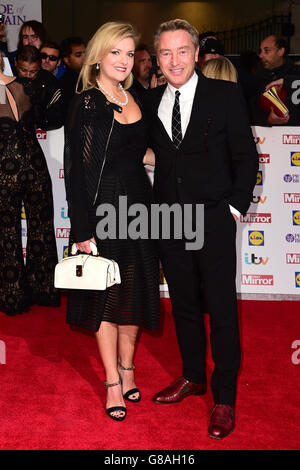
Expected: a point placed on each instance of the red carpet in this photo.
(52, 394)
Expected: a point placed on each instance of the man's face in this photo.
(142, 65)
(75, 59)
(27, 69)
(50, 58)
(271, 57)
(30, 38)
(176, 56)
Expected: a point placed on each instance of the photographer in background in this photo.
(41, 86)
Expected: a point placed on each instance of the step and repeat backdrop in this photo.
(268, 236)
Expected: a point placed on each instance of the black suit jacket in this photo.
(217, 159)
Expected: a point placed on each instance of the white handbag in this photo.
(86, 271)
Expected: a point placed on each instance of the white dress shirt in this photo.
(186, 99)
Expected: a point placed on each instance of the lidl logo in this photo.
(23, 215)
(66, 252)
(259, 179)
(297, 279)
(256, 238)
(296, 217)
(295, 158)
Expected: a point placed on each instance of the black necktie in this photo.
(176, 121)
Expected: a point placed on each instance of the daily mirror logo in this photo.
(291, 139)
(292, 198)
(264, 158)
(41, 135)
(293, 258)
(255, 218)
(257, 280)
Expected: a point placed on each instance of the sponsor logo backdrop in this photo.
(16, 12)
(268, 237)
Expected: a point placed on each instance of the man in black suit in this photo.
(205, 154)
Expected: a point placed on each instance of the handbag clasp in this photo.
(79, 270)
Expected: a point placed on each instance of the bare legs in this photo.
(117, 341)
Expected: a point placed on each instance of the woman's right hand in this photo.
(85, 247)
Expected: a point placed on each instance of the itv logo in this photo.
(252, 259)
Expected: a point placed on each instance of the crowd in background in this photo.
(54, 70)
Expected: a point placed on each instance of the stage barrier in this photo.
(268, 236)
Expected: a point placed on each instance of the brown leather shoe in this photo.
(178, 390)
(221, 421)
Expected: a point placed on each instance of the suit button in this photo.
(179, 179)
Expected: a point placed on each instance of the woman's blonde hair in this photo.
(103, 41)
(220, 68)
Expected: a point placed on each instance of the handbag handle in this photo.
(92, 245)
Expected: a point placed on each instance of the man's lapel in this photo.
(199, 110)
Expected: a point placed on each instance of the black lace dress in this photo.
(24, 178)
(136, 300)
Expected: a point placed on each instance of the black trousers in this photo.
(204, 281)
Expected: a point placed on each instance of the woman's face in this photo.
(117, 64)
(30, 38)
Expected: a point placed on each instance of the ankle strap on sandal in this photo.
(112, 385)
(125, 368)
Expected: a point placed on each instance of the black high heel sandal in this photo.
(113, 409)
(132, 391)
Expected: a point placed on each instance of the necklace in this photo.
(111, 96)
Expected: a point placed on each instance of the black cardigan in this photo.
(87, 129)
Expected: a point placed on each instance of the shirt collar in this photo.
(187, 91)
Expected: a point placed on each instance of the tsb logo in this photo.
(296, 217)
(295, 158)
(256, 238)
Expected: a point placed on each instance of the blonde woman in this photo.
(106, 139)
(220, 68)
